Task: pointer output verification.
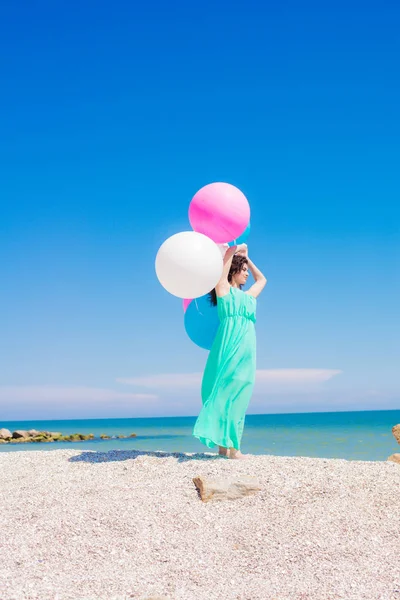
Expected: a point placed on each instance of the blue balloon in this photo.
(243, 238)
(202, 322)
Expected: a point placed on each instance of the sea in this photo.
(360, 435)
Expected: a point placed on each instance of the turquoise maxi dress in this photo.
(229, 375)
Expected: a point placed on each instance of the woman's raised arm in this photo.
(259, 280)
(222, 287)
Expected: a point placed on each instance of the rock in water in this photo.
(226, 489)
(5, 434)
(395, 458)
(396, 432)
(51, 433)
(20, 433)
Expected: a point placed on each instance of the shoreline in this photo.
(363, 436)
(130, 524)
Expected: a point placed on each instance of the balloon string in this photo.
(197, 306)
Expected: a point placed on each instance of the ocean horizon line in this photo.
(155, 417)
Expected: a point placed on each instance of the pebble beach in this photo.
(128, 524)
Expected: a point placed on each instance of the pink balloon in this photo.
(220, 211)
(186, 303)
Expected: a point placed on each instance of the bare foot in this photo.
(223, 451)
(236, 454)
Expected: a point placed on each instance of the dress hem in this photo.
(211, 444)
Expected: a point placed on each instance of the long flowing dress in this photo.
(229, 375)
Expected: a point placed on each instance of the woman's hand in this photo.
(242, 250)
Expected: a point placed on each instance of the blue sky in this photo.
(113, 116)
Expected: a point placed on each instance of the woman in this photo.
(229, 375)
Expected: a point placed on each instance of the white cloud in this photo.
(164, 394)
(70, 402)
(264, 378)
(166, 381)
(65, 394)
(271, 395)
(293, 378)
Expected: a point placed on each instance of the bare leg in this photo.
(236, 454)
(223, 451)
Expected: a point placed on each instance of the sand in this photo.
(119, 525)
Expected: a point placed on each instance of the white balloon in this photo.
(189, 264)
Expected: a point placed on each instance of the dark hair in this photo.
(237, 265)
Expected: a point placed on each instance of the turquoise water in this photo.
(350, 435)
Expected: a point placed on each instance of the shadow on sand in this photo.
(118, 455)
